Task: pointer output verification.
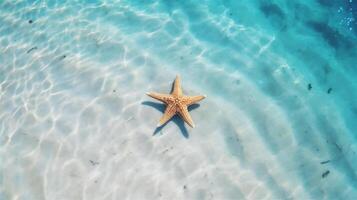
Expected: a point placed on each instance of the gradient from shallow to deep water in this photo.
(279, 122)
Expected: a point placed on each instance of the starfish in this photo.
(176, 103)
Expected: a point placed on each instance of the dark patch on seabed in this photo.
(334, 38)
(270, 9)
(325, 174)
(33, 48)
(329, 90)
(326, 3)
(309, 86)
(93, 162)
(275, 14)
(324, 162)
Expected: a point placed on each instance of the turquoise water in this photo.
(279, 121)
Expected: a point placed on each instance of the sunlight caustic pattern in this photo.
(279, 122)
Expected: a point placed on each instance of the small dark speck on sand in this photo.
(93, 162)
(184, 187)
(309, 86)
(326, 173)
(329, 90)
(324, 162)
(33, 48)
(30, 21)
(63, 57)
(114, 90)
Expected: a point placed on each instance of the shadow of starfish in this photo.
(176, 119)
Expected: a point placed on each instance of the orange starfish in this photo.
(176, 103)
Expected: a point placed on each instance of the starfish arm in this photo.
(177, 91)
(189, 100)
(186, 116)
(161, 97)
(170, 111)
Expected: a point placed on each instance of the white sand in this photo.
(81, 126)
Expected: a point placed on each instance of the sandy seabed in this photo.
(75, 122)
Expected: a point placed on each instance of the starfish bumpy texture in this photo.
(176, 103)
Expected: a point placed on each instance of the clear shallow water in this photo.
(279, 122)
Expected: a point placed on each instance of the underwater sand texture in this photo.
(279, 122)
